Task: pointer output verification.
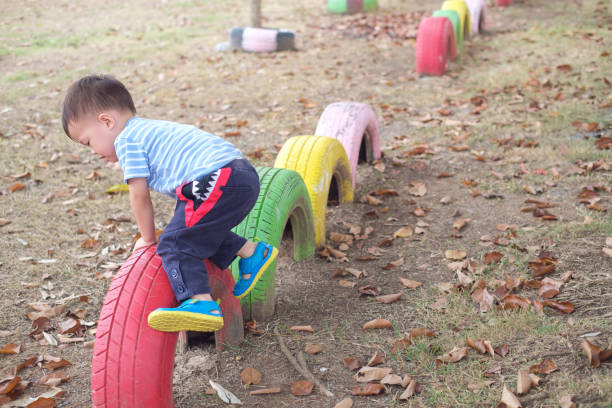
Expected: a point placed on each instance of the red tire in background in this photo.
(133, 364)
(435, 44)
(504, 3)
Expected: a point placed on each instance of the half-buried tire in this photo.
(132, 364)
(454, 18)
(464, 15)
(478, 15)
(323, 164)
(283, 199)
(435, 44)
(355, 125)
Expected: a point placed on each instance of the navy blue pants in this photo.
(206, 211)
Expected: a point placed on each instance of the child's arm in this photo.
(142, 207)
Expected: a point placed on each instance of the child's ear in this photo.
(107, 119)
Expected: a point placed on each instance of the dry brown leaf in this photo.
(493, 257)
(548, 291)
(10, 348)
(607, 252)
(421, 332)
(411, 389)
(403, 232)
(389, 298)
(250, 375)
(523, 382)
(367, 373)
(16, 187)
(368, 389)
(440, 304)
(418, 189)
(502, 350)
(400, 345)
(4, 221)
(346, 284)
(456, 354)
(391, 379)
(377, 324)
(479, 385)
(313, 348)
(338, 237)
(446, 200)
(53, 379)
(510, 399)
(564, 307)
(376, 359)
(265, 391)
(351, 363)
(592, 352)
(455, 254)
(461, 223)
(373, 200)
(301, 387)
(302, 328)
(486, 302)
(410, 284)
(345, 403)
(369, 290)
(547, 366)
(69, 326)
(514, 302)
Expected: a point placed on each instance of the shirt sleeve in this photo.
(132, 158)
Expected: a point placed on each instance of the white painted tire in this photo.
(262, 39)
(478, 15)
(354, 124)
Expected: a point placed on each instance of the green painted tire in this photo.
(369, 5)
(337, 6)
(283, 198)
(454, 18)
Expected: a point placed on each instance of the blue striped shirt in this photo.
(169, 154)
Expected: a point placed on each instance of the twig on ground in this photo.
(301, 368)
(73, 297)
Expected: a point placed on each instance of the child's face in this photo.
(98, 132)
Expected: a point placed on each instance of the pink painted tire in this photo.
(435, 45)
(259, 39)
(478, 14)
(355, 125)
(504, 3)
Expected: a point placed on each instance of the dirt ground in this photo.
(517, 117)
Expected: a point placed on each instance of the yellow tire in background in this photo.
(464, 15)
(322, 162)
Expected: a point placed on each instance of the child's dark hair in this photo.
(92, 94)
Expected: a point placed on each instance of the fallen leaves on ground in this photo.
(266, 391)
(455, 254)
(377, 324)
(368, 389)
(301, 387)
(509, 400)
(482, 346)
(313, 348)
(250, 375)
(376, 359)
(308, 329)
(418, 189)
(367, 373)
(547, 366)
(351, 363)
(411, 389)
(389, 298)
(408, 283)
(345, 403)
(493, 257)
(564, 307)
(456, 354)
(595, 355)
(10, 348)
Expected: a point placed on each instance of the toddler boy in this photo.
(214, 186)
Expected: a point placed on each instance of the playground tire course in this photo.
(353, 124)
(454, 18)
(435, 44)
(283, 198)
(478, 15)
(132, 364)
(320, 161)
(464, 15)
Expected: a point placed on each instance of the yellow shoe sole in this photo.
(174, 321)
(260, 273)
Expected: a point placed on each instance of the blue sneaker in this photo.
(192, 315)
(255, 265)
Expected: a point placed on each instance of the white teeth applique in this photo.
(202, 191)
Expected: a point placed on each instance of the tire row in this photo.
(308, 171)
(261, 39)
(441, 36)
(132, 364)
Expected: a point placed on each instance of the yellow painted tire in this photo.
(464, 15)
(320, 161)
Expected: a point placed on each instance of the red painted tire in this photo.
(132, 364)
(478, 14)
(355, 125)
(435, 44)
(504, 3)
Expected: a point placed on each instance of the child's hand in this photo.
(142, 243)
